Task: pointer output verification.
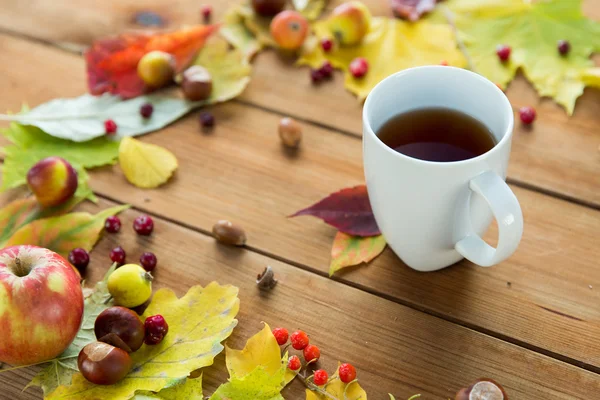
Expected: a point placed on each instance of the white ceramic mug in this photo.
(433, 214)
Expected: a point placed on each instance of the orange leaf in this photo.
(352, 250)
(63, 234)
(112, 63)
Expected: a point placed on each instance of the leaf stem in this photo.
(459, 42)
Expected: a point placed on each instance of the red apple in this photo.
(53, 181)
(41, 305)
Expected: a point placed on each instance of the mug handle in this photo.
(507, 211)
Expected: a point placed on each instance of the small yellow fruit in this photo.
(350, 22)
(156, 68)
(130, 285)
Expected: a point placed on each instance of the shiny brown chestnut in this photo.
(123, 323)
(103, 364)
(197, 83)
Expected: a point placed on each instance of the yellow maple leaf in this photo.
(190, 389)
(198, 323)
(145, 165)
(532, 30)
(338, 390)
(390, 46)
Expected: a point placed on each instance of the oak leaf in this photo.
(198, 323)
(349, 210)
(353, 250)
(146, 165)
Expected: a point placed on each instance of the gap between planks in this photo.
(371, 291)
(78, 50)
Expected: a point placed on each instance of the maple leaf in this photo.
(198, 323)
(112, 63)
(64, 233)
(532, 30)
(190, 389)
(390, 46)
(412, 9)
(146, 165)
(257, 385)
(336, 389)
(61, 369)
(352, 250)
(349, 210)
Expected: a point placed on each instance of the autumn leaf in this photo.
(532, 30)
(190, 389)
(390, 46)
(349, 210)
(146, 165)
(23, 211)
(31, 144)
(60, 370)
(412, 9)
(64, 233)
(112, 63)
(338, 390)
(311, 9)
(198, 323)
(257, 385)
(352, 250)
(247, 30)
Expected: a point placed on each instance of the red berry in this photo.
(148, 261)
(316, 76)
(359, 67)
(112, 224)
(110, 127)
(527, 115)
(294, 363)
(347, 373)
(503, 52)
(326, 69)
(143, 225)
(312, 353)
(146, 110)
(207, 120)
(299, 340)
(79, 258)
(327, 45)
(563, 47)
(281, 334)
(118, 255)
(156, 329)
(321, 377)
(206, 12)
(444, 63)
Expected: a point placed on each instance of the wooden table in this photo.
(532, 323)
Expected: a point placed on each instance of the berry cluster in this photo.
(299, 341)
(320, 74)
(143, 225)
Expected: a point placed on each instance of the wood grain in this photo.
(545, 297)
(558, 155)
(395, 349)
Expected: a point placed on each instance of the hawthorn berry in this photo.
(312, 353)
(143, 225)
(146, 110)
(294, 363)
(326, 69)
(563, 47)
(316, 76)
(148, 261)
(320, 377)
(110, 127)
(299, 340)
(527, 115)
(444, 63)
(503, 52)
(327, 45)
(282, 335)
(79, 258)
(359, 67)
(347, 373)
(206, 13)
(207, 120)
(118, 255)
(112, 224)
(156, 329)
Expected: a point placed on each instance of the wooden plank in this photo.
(395, 349)
(240, 172)
(558, 155)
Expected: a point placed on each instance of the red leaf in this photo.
(112, 63)
(348, 210)
(412, 9)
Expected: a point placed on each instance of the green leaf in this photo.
(198, 323)
(532, 29)
(257, 385)
(31, 144)
(353, 250)
(60, 370)
(64, 233)
(190, 389)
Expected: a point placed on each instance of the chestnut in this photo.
(124, 325)
(482, 389)
(197, 83)
(103, 364)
